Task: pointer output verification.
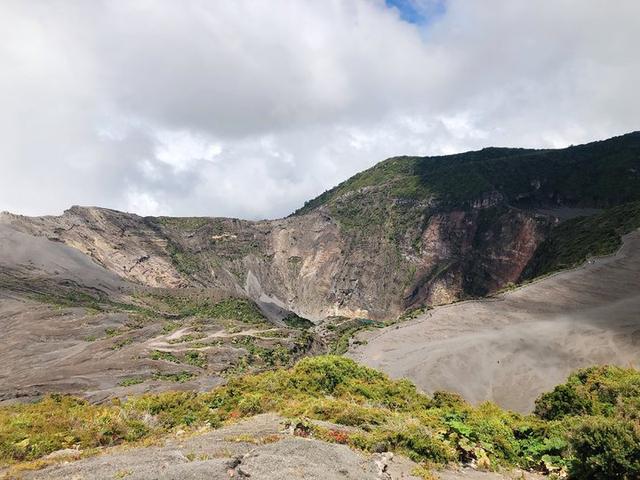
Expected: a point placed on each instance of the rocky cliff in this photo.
(411, 231)
(309, 264)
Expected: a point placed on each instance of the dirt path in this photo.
(512, 348)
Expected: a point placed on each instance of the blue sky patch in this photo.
(419, 12)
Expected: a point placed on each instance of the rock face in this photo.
(309, 264)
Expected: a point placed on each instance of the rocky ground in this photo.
(514, 346)
(264, 447)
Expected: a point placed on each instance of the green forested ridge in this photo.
(599, 174)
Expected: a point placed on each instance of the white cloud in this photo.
(248, 108)
(183, 150)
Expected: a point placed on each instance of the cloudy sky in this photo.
(249, 108)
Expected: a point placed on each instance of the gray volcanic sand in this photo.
(512, 348)
(38, 257)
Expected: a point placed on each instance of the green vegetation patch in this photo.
(179, 377)
(122, 343)
(127, 382)
(572, 242)
(598, 440)
(186, 224)
(191, 357)
(344, 329)
(170, 327)
(259, 356)
(601, 406)
(165, 356)
(187, 338)
(295, 321)
(195, 358)
(238, 309)
(608, 391)
(184, 261)
(67, 298)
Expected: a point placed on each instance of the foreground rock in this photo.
(513, 347)
(258, 448)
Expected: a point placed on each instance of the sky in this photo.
(247, 108)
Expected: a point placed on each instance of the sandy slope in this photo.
(512, 348)
(38, 257)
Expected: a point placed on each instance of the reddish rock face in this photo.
(467, 253)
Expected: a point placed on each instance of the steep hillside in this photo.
(410, 231)
(574, 241)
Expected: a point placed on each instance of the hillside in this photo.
(409, 232)
(599, 174)
(314, 411)
(169, 328)
(574, 241)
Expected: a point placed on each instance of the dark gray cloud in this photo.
(248, 108)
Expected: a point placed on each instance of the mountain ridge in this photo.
(408, 232)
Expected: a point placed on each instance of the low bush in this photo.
(605, 390)
(605, 449)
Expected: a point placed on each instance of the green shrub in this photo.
(165, 356)
(179, 377)
(605, 390)
(447, 400)
(127, 382)
(294, 321)
(173, 408)
(605, 449)
(195, 358)
(324, 374)
(562, 401)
